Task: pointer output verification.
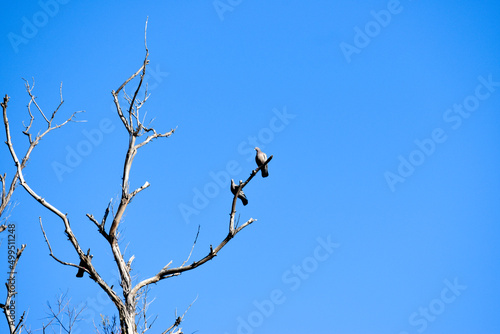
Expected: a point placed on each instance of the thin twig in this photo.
(33, 98)
(192, 248)
(135, 192)
(178, 320)
(52, 254)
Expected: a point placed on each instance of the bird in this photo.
(260, 158)
(241, 194)
(80, 270)
(82, 264)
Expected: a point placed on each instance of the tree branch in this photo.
(166, 273)
(52, 253)
(178, 320)
(13, 328)
(28, 89)
(20, 165)
(192, 248)
(32, 143)
(126, 196)
(55, 318)
(135, 192)
(100, 227)
(144, 309)
(155, 135)
(6, 195)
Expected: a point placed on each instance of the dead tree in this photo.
(139, 134)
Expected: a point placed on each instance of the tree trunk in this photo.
(127, 320)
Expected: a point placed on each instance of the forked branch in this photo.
(20, 164)
(166, 272)
(6, 194)
(135, 129)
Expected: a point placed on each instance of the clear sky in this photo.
(381, 211)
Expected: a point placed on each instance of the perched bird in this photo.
(80, 271)
(260, 158)
(82, 264)
(241, 194)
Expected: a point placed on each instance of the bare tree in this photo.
(132, 316)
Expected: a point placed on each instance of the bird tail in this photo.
(265, 172)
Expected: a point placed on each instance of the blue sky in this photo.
(380, 214)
